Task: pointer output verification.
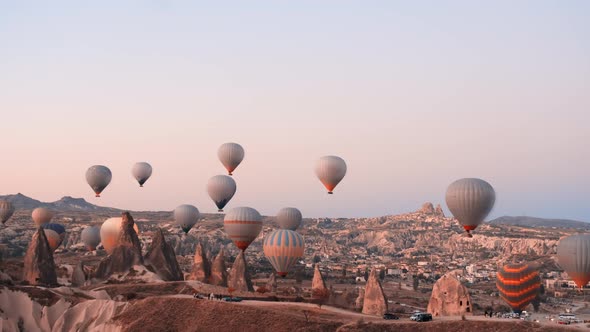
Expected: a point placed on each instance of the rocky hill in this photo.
(541, 222)
(66, 203)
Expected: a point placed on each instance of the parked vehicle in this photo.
(232, 299)
(424, 317)
(390, 316)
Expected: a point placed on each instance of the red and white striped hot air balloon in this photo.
(242, 225)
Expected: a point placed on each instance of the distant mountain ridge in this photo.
(540, 222)
(66, 203)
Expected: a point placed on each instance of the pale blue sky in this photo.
(413, 95)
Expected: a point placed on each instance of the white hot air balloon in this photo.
(470, 201)
(42, 216)
(221, 188)
(330, 170)
(98, 178)
(91, 237)
(289, 218)
(141, 172)
(230, 155)
(186, 216)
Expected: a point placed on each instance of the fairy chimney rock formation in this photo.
(78, 275)
(358, 303)
(125, 255)
(218, 270)
(439, 211)
(318, 283)
(427, 208)
(449, 297)
(39, 267)
(239, 278)
(271, 283)
(375, 302)
(162, 259)
(201, 265)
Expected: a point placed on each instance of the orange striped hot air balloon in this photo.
(242, 225)
(518, 285)
(283, 248)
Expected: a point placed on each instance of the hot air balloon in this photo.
(518, 285)
(55, 234)
(470, 201)
(91, 237)
(221, 188)
(109, 233)
(42, 216)
(283, 248)
(141, 172)
(230, 155)
(6, 211)
(330, 170)
(573, 255)
(98, 177)
(186, 216)
(289, 218)
(242, 225)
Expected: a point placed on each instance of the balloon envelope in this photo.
(109, 233)
(186, 216)
(91, 237)
(230, 155)
(330, 170)
(242, 225)
(289, 218)
(6, 211)
(518, 285)
(573, 255)
(98, 178)
(283, 248)
(55, 234)
(42, 216)
(221, 189)
(470, 201)
(141, 172)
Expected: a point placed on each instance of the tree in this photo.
(320, 296)
(415, 283)
(536, 303)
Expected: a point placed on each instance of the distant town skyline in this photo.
(411, 95)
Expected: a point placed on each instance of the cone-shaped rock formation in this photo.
(201, 265)
(239, 278)
(126, 254)
(162, 259)
(218, 270)
(374, 302)
(78, 275)
(449, 297)
(39, 268)
(318, 283)
(271, 283)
